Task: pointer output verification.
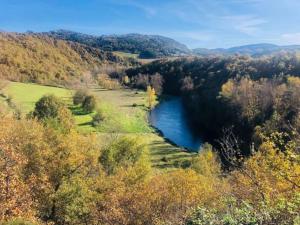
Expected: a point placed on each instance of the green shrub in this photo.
(89, 104)
(47, 107)
(240, 212)
(98, 118)
(53, 112)
(79, 96)
(164, 159)
(123, 153)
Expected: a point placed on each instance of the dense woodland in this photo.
(147, 46)
(240, 92)
(249, 108)
(41, 59)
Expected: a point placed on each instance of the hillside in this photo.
(147, 46)
(200, 82)
(41, 59)
(252, 50)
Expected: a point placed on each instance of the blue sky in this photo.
(196, 23)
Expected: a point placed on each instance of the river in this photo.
(170, 118)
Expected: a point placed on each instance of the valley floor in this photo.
(124, 110)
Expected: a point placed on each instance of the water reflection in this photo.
(171, 119)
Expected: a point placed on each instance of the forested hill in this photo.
(239, 91)
(252, 50)
(147, 46)
(155, 46)
(42, 59)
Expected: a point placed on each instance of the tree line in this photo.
(240, 92)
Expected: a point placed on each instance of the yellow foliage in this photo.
(41, 59)
(126, 79)
(151, 97)
(206, 162)
(46, 159)
(165, 198)
(106, 82)
(15, 196)
(227, 89)
(269, 176)
(294, 81)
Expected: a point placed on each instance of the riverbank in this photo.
(124, 105)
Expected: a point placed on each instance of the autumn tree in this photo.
(207, 162)
(142, 81)
(69, 159)
(157, 81)
(165, 198)
(52, 111)
(126, 80)
(56, 170)
(47, 107)
(15, 196)
(151, 97)
(187, 84)
(124, 153)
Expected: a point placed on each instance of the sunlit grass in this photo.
(25, 95)
(124, 112)
(126, 54)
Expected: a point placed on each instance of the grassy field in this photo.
(124, 112)
(134, 56)
(26, 95)
(126, 54)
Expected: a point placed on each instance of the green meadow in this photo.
(124, 112)
(126, 54)
(26, 95)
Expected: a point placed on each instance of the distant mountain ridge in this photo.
(252, 50)
(156, 46)
(147, 46)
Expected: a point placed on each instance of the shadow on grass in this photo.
(86, 124)
(77, 110)
(100, 89)
(133, 105)
(168, 157)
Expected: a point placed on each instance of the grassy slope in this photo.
(26, 95)
(126, 54)
(41, 59)
(118, 105)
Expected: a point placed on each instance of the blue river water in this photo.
(171, 119)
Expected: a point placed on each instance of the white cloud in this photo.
(290, 38)
(219, 15)
(247, 24)
(247, 1)
(149, 10)
(194, 35)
